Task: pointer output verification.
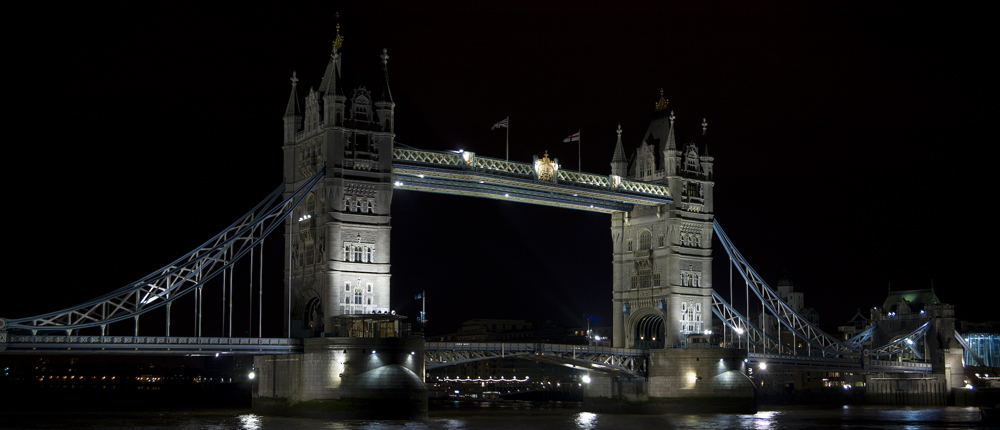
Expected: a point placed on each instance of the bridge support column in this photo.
(344, 377)
(945, 352)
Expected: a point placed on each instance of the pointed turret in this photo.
(331, 87)
(293, 114)
(384, 106)
(619, 164)
(671, 156)
(707, 161)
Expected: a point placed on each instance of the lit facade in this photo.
(663, 254)
(337, 245)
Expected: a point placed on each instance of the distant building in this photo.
(795, 300)
(857, 324)
(984, 340)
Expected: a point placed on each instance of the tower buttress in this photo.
(619, 164)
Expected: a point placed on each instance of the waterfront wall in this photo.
(344, 377)
(911, 389)
(680, 379)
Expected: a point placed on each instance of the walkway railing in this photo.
(150, 344)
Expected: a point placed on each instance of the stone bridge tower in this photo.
(663, 255)
(337, 245)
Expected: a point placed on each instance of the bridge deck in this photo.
(160, 345)
(619, 361)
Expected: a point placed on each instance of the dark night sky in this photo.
(849, 139)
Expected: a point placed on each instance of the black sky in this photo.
(851, 140)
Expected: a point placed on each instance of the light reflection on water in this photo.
(586, 421)
(527, 418)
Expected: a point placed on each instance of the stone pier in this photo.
(344, 377)
(680, 380)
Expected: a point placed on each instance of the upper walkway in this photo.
(465, 173)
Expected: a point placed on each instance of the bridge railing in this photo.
(70, 341)
(70, 344)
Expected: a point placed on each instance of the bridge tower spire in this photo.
(663, 254)
(337, 243)
(619, 163)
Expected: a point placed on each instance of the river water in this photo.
(518, 417)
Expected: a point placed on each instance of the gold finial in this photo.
(339, 41)
(545, 158)
(662, 104)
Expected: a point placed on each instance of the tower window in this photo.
(645, 240)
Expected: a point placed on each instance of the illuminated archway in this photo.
(649, 332)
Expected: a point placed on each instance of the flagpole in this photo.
(508, 138)
(579, 161)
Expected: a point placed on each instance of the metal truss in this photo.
(802, 327)
(619, 361)
(743, 327)
(178, 278)
(903, 343)
(785, 315)
(467, 174)
(492, 190)
(150, 344)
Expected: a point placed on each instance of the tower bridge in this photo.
(342, 165)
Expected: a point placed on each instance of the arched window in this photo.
(645, 240)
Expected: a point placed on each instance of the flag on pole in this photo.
(419, 296)
(502, 123)
(573, 137)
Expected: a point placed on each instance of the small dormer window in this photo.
(362, 105)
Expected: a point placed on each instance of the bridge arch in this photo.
(308, 313)
(648, 329)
